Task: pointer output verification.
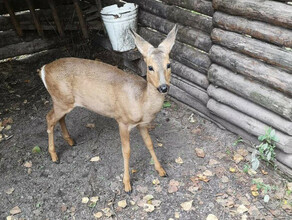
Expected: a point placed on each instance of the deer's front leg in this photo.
(125, 139)
(148, 142)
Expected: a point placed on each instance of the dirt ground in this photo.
(195, 187)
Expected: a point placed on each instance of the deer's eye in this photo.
(150, 68)
(168, 66)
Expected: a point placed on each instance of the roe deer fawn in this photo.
(109, 91)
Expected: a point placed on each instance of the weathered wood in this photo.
(257, 29)
(189, 74)
(250, 108)
(176, 14)
(26, 48)
(201, 6)
(195, 91)
(187, 55)
(56, 18)
(264, 10)
(13, 18)
(256, 92)
(255, 48)
(248, 123)
(250, 67)
(10, 37)
(81, 19)
(284, 158)
(35, 18)
(185, 34)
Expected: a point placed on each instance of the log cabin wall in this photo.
(232, 62)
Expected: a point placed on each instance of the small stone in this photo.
(9, 191)
(94, 199)
(241, 209)
(148, 197)
(289, 186)
(186, 206)
(224, 179)
(15, 210)
(63, 208)
(208, 173)
(27, 164)
(213, 162)
(85, 200)
(176, 214)
(29, 170)
(156, 203)
(200, 152)
(122, 204)
(148, 207)
(98, 215)
(211, 217)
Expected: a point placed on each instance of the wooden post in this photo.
(35, 18)
(56, 18)
(81, 19)
(13, 18)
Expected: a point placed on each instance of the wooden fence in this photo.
(232, 61)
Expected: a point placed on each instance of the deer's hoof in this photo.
(162, 172)
(128, 188)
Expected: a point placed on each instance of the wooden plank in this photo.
(255, 48)
(35, 18)
(284, 158)
(263, 10)
(176, 14)
(81, 18)
(185, 34)
(189, 74)
(256, 92)
(56, 18)
(201, 6)
(13, 18)
(10, 37)
(250, 67)
(195, 91)
(257, 29)
(248, 124)
(187, 55)
(249, 108)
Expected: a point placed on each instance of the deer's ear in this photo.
(169, 41)
(143, 46)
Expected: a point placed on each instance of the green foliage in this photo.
(239, 140)
(264, 187)
(166, 104)
(246, 167)
(36, 149)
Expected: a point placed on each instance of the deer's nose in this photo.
(163, 88)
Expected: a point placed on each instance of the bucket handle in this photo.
(116, 15)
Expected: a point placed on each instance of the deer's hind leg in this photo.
(65, 132)
(52, 118)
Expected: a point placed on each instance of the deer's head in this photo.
(157, 60)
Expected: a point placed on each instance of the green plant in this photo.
(237, 141)
(264, 187)
(246, 167)
(166, 104)
(266, 150)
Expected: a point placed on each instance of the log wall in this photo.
(232, 61)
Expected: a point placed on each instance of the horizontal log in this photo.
(185, 34)
(250, 108)
(257, 29)
(250, 67)
(264, 96)
(189, 74)
(176, 14)
(255, 48)
(264, 10)
(187, 99)
(248, 123)
(202, 6)
(187, 55)
(26, 48)
(195, 91)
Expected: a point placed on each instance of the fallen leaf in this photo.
(148, 197)
(98, 215)
(29, 170)
(197, 131)
(211, 217)
(156, 203)
(85, 200)
(191, 118)
(9, 191)
(242, 152)
(208, 173)
(213, 162)
(176, 214)
(8, 127)
(63, 208)
(123, 203)
(15, 210)
(156, 182)
(159, 144)
(7, 121)
(264, 172)
(200, 152)
(253, 187)
(179, 160)
(289, 186)
(95, 159)
(107, 212)
(132, 202)
(10, 217)
(232, 169)
(27, 164)
(224, 179)
(241, 209)
(94, 199)
(255, 193)
(148, 207)
(90, 125)
(193, 189)
(173, 186)
(251, 172)
(237, 158)
(203, 178)
(36, 150)
(134, 171)
(266, 198)
(186, 206)
(244, 217)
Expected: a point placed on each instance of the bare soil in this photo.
(54, 191)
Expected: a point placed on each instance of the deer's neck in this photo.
(153, 100)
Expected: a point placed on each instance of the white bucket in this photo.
(118, 21)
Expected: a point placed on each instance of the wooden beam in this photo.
(81, 19)
(13, 18)
(35, 18)
(56, 18)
